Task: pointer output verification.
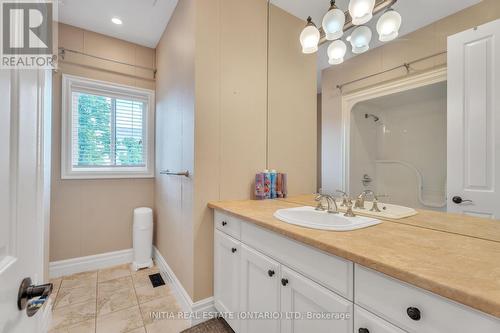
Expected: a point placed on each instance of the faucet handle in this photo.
(349, 212)
(375, 202)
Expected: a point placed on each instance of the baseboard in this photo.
(203, 306)
(90, 263)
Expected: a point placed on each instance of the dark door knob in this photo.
(270, 273)
(31, 297)
(363, 330)
(284, 282)
(224, 223)
(458, 200)
(413, 313)
(234, 250)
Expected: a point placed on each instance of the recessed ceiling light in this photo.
(116, 20)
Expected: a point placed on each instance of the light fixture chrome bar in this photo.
(380, 5)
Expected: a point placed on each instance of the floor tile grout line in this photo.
(96, 301)
(138, 304)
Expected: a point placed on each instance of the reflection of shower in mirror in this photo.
(398, 144)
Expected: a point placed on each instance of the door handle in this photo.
(458, 200)
(31, 297)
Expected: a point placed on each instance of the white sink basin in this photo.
(310, 218)
(386, 210)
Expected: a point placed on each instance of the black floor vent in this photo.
(156, 280)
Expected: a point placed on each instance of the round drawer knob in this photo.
(224, 223)
(234, 250)
(413, 313)
(270, 273)
(363, 330)
(284, 282)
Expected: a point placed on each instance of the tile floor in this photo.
(113, 300)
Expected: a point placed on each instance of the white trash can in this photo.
(143, 238)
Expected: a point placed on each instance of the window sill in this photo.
(111, 174)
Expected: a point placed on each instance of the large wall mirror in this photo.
(376, 122)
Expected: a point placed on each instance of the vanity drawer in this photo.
(228, 224)
(399, 302)
(366, 322)
(328, 270)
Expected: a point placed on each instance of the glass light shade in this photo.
(333, 23)
(309, 38)
(336, 52)
(360, 39)
(361, 11)
(388, 26)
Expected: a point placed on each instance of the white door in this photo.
(313, 303)
(260, 292)
(474, 121)
(227, 276)
(25, 106)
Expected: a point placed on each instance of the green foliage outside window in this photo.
(95, 135)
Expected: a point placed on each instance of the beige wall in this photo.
(292, 104)
(421, 43)
(174, 131)
(212, 83)
(95, 216)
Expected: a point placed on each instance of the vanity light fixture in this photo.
(388, 25)
(333, 22)
(117, 21)
(361, 11)
(336, 52)
(309, 38)
(336, 23)
(360, 39)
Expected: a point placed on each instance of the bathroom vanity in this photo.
(386, 278)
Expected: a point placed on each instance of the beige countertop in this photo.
(462, 268)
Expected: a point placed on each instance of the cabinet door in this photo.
(301, 296)
(260, 292)
(227, 276)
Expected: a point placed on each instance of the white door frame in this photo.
(351, 99)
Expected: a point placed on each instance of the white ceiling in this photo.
(143, 20)
(415, 14)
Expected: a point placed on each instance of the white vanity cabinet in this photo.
(265, 287)
(260, 291)
(301, 295)
(227, 275)
(366, 322)
(261, 273)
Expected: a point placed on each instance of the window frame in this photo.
(70, 84)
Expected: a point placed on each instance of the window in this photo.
(107, 130)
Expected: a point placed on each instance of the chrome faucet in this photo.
(344, 198)
(360, 201)
(330, 203)
(349, 212)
